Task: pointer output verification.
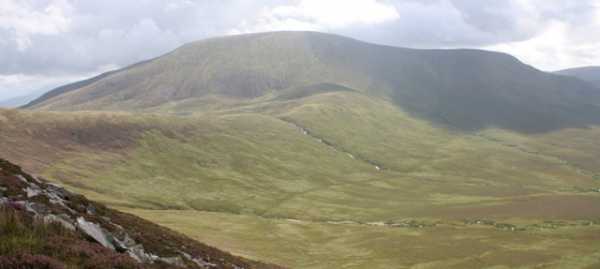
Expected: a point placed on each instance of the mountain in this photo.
(590, 74)
(464, 89)
(21, 100)
(45, 226)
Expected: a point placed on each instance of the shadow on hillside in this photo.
(481, 112)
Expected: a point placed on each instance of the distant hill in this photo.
(466, 89)
(21, 100)
(590, 74)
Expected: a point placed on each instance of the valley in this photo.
(249, 182)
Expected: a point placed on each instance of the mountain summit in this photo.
(465, 89)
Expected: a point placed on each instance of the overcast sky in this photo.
(45, 43)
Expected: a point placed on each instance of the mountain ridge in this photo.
(590, 74)
(22, 100)
(76, 85)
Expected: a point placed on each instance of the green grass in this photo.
(242, 176)
(303, 244)
(16, 237)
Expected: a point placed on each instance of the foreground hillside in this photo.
(45, 226)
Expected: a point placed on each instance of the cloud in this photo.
(23, 20)
(565, 36)
(95, 33)
(17, 85)
(555, 48)
(322, 15)
(57, 38)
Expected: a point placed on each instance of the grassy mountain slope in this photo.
(304, 167)
(487, 89)
(590, 74)
(77, 85)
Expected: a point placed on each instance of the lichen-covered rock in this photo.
(32, 191)
(94, 231)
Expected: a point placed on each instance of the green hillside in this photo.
(293, 181)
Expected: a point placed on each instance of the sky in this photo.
(46, 43)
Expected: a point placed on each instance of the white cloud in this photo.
(560, 45)
(320, 15)
(24, 20)
(337, 13)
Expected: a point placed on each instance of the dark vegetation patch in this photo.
(26, 242)
(35, 140)
(215, 205)
(569, 207)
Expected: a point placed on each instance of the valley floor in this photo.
(302, 244)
